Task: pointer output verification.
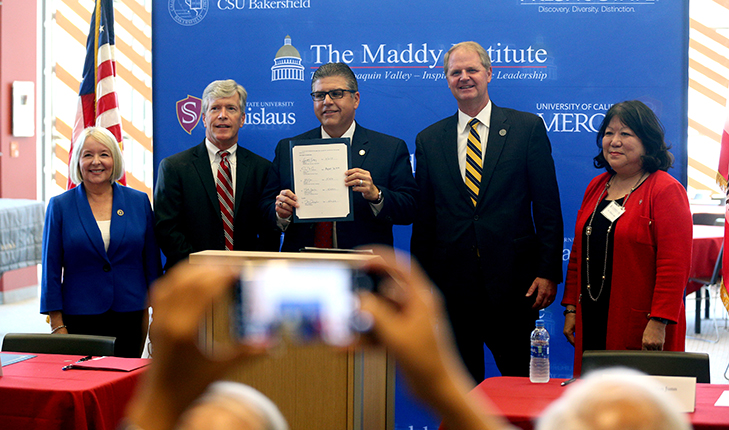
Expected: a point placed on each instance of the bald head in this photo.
(230, 405)
(614, 399)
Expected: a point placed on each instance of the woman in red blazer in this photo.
(631, 255)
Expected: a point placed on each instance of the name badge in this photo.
(613, 211)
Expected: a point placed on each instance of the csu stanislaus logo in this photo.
(188, 12)
(188, 113)
(287, 63)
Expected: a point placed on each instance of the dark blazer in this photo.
(187, 211)
(79, 276)
(388, 161)
(515, 231)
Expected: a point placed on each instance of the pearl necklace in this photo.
(588, 233)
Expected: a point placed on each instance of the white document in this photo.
(723, 399)
(683, 389)
(318, 173)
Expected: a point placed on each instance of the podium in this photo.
(316, 386)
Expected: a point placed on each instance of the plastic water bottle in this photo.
(539, 364)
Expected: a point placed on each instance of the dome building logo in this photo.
(287, 64)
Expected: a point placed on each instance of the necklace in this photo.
(588, 233)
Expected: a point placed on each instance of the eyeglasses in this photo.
(319, 96)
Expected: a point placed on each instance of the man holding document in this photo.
(379, 175)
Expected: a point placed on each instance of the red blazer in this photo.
(651, 263)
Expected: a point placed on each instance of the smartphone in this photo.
(301, 301)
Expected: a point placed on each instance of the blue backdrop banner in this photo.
(566, 60)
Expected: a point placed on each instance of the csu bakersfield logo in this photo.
(188, 113)
(231, 4)
(188, 12)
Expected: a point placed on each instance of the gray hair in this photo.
(469, 46)
(245, 397)
(614, 399)
(103, 136)
(225, 88)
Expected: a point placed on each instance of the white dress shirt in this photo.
(464, 129)
(215, 159)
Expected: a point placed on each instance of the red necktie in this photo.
(323, 234)
(224, 184)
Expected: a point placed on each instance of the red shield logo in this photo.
(188, 113)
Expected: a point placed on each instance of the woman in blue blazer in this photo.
(99, 251)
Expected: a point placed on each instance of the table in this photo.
(706, 245)
(521, 402)
(37, 394)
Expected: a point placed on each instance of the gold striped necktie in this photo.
(473, 161)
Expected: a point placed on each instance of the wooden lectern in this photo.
(315, 386)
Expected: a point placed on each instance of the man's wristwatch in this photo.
(379, 197)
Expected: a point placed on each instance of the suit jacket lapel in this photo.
(449, 154)
(88, 222)
(359, 148)
(118, 219)
(241, 176)
(201, 162)
(498, 131)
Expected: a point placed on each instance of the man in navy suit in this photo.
(494, 251)
(380, 175)
(186, 206)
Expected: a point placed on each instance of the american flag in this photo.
(97, 100)
(723, 178)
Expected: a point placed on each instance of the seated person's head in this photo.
(614, 399)
(232, 405)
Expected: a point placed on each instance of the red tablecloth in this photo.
(706, 245)
(37, 394)
(521, 402)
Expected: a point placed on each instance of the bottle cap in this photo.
(540, 323)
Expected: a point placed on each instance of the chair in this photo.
(704, 293)
(71, 344)
(708, 219)
(663, 363)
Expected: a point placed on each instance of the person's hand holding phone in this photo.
(409, 319)
(180, 371)
(295, 300)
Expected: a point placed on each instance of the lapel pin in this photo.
(502, 132)
(120, 212)
(361, 152)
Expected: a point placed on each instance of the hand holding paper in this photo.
(360, 180)
(286, 202)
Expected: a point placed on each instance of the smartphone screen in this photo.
(299, 300)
